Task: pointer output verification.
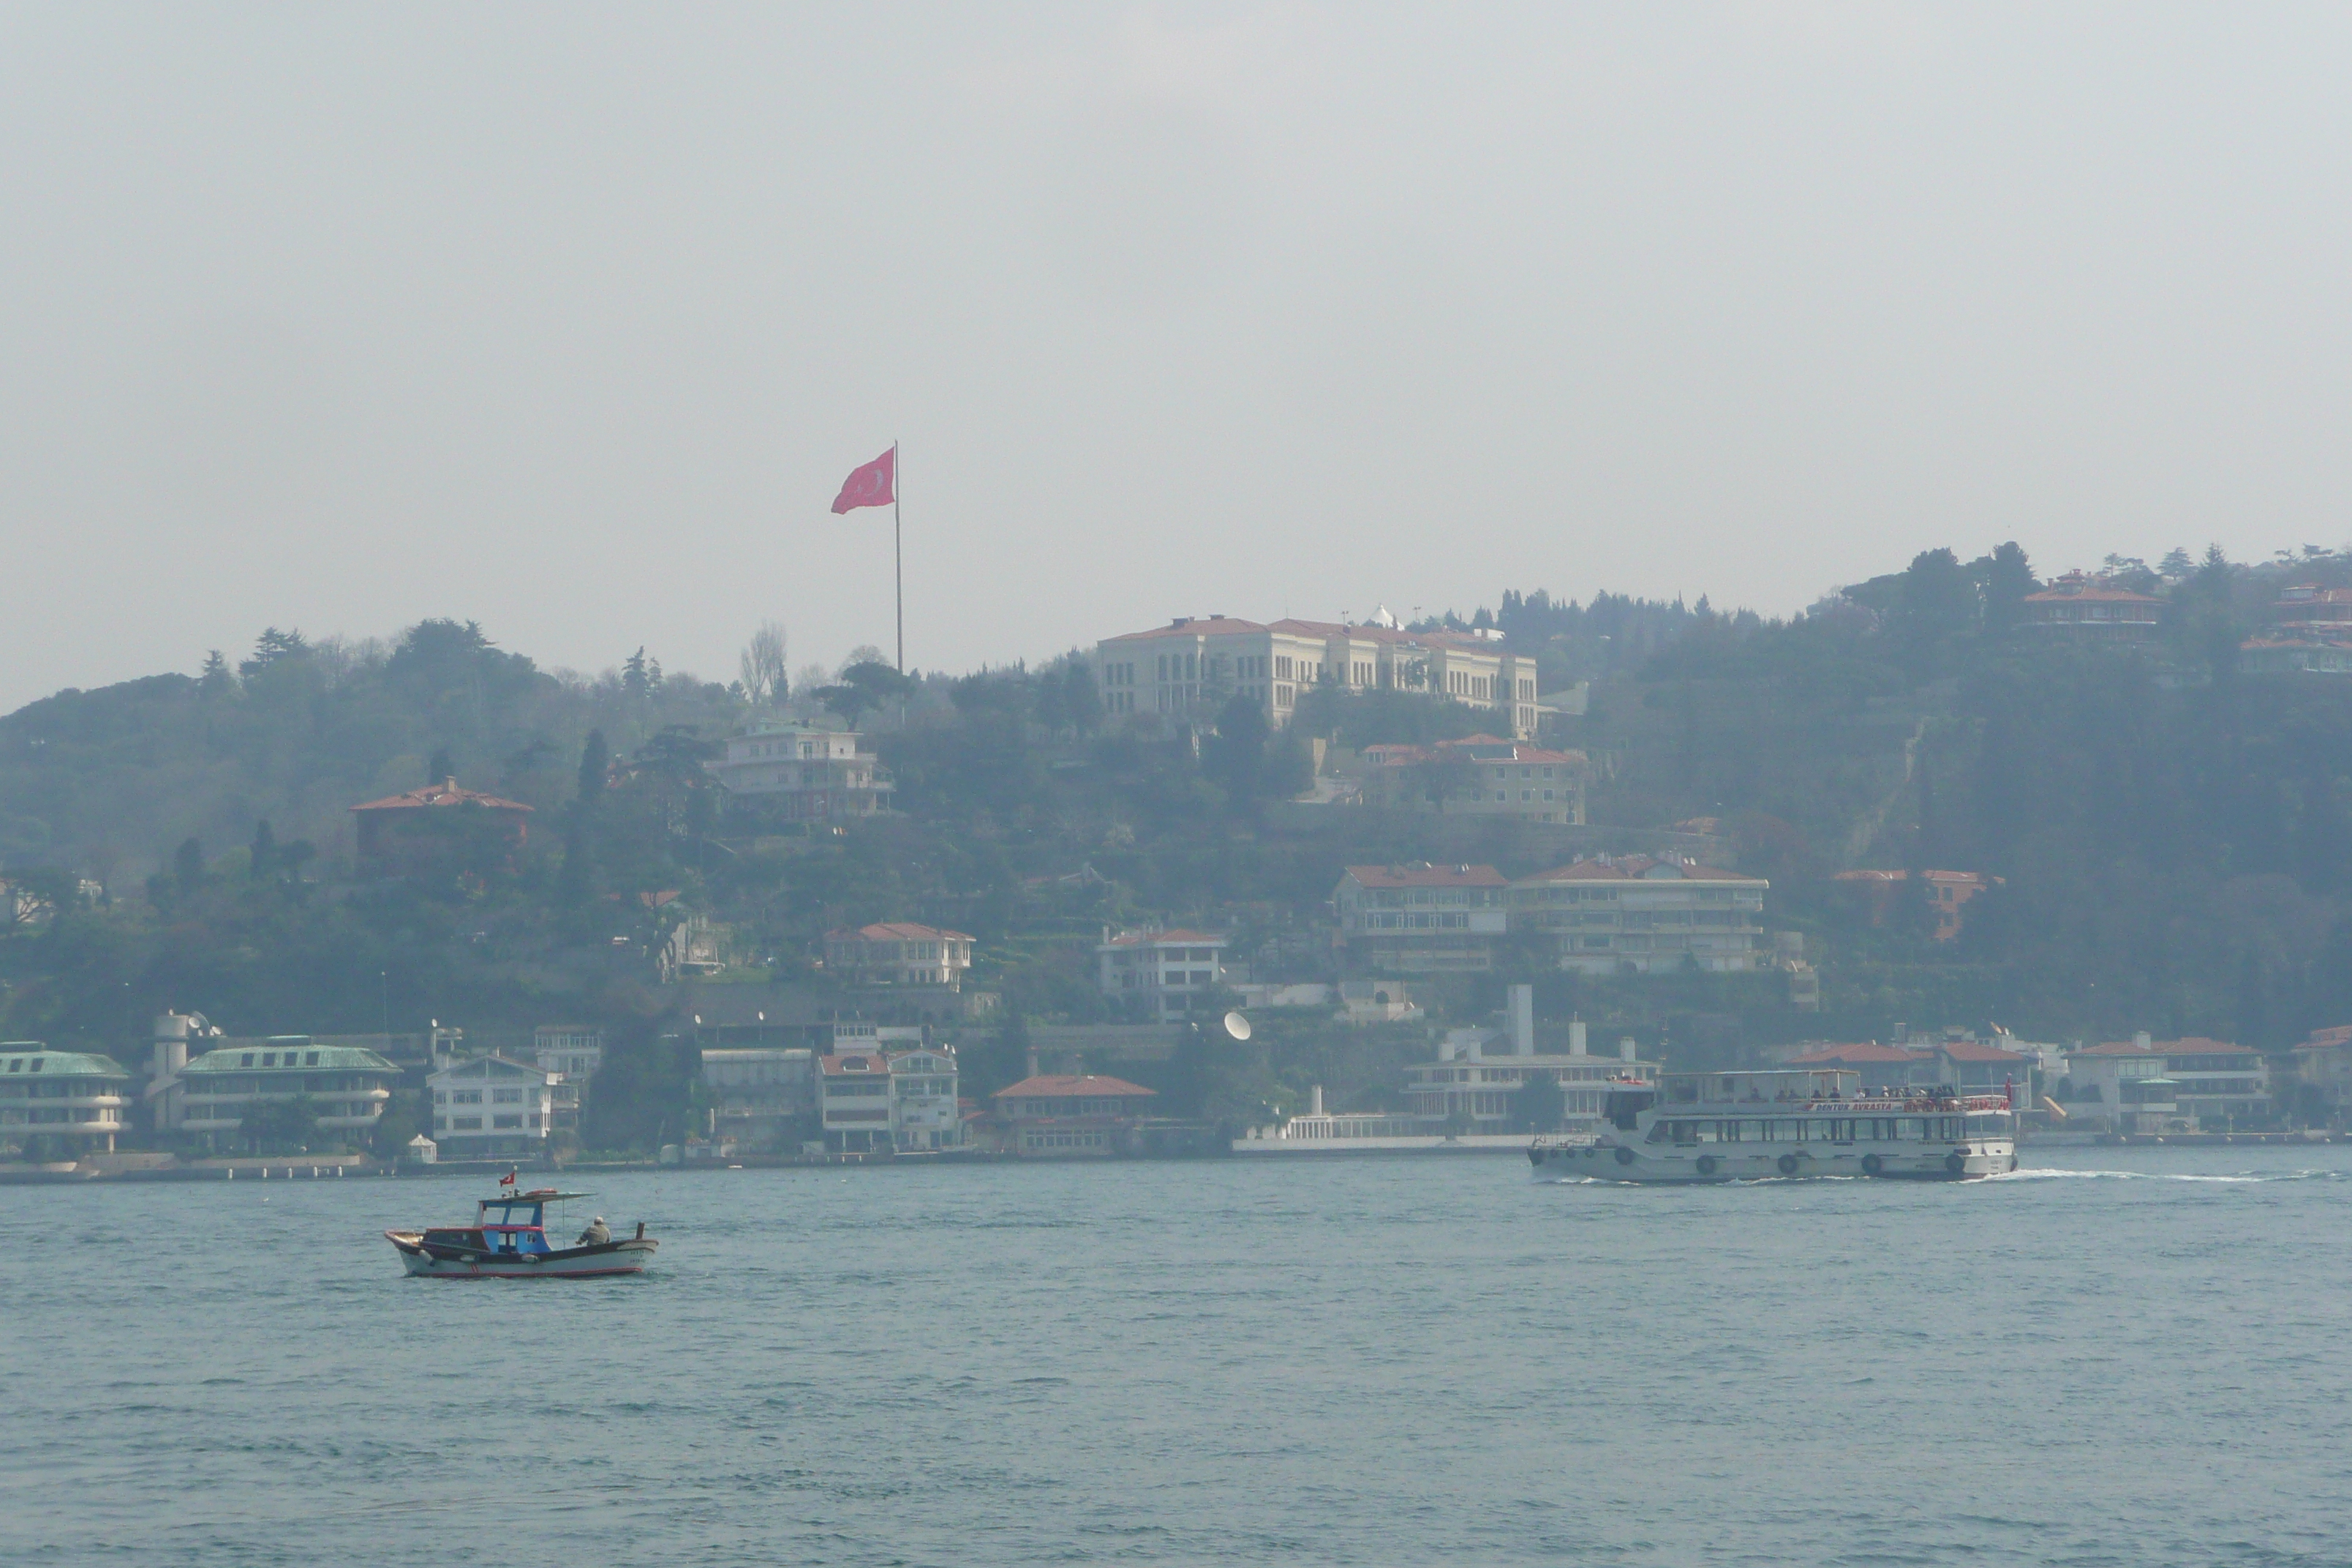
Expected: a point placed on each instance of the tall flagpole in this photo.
(899, 557)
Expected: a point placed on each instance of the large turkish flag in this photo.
(875, 484)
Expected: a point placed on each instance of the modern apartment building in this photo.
(2147, 1085)
(491, 1108)
(1641, 914)
(761, 1096)
(74, 1098)
(1192, 665)
(1421, 919)
(347, 1087)
(1164, 975)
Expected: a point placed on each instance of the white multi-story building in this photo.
(347, 1086)
(72, 1096)
(573, 1050)
(1421, 919)
(1642, 914)
(1192, 665)
(818, 775)
(2147, 1085)
(854, 1102)
(1164, 975)
(923, 1109)
(491, 1107)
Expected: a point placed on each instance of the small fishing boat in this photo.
(508, 1240)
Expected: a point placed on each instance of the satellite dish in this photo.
(1237, 1026)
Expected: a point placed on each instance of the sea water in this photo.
(2113, 1357)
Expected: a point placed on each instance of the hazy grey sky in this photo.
(571, 318)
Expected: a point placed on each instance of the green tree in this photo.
(281, 1126)
(264, 855)
(868, 687)
(2006, 589)
(1935, 607)
(1234, 756)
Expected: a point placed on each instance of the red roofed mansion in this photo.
(2092, 609)
(1196, 663)
(437, 827)
(1069, 1116)
(898, 952)
(1640, 914)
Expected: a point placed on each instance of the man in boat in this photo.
(595, 1235)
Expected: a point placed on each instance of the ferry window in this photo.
(246, 1061)
(1729, 1132)
(1658, 1131)
(309, 1058)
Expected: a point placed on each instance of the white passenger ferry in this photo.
(1729, 1126)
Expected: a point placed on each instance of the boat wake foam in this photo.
(2246, 1178)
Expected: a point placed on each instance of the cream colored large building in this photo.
(1192, 665)
(1643, 914)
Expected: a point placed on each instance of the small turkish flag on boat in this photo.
(874, 484)
(507, 1180)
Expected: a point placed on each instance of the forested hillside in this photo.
(2170, 831)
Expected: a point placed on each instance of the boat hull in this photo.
(604, 1261)
(1688, 1164)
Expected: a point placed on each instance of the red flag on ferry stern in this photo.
(875, 484)
(507, 1180)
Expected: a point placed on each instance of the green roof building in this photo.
(71, 1096)
(348, 1086)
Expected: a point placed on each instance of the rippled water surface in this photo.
(2122, 1357)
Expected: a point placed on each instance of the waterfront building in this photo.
(813, 774)
(1421, 919)
(761, 1097)
(73, 1097)
(854, 1102)
(1641, 914)
(1470, 1087)
(1187, 670)
(347, 1087)
(1071, 1116)
(2145, 1085)
(897, 953)
(492, 1107)
(924, 1114)
(1165, 974)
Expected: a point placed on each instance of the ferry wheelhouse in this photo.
(508, 1240)
(1732, 1126)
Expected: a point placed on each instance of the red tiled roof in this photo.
(1423, 875)
(1867, 1051)
(1976, 1051)
(1193, 626)
(854, 1064)
(446, 793)
(1164, 938)
(1901, 876)
(1063, 1086)
(1634, 869)
(2328, 1040)
(895, 930)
